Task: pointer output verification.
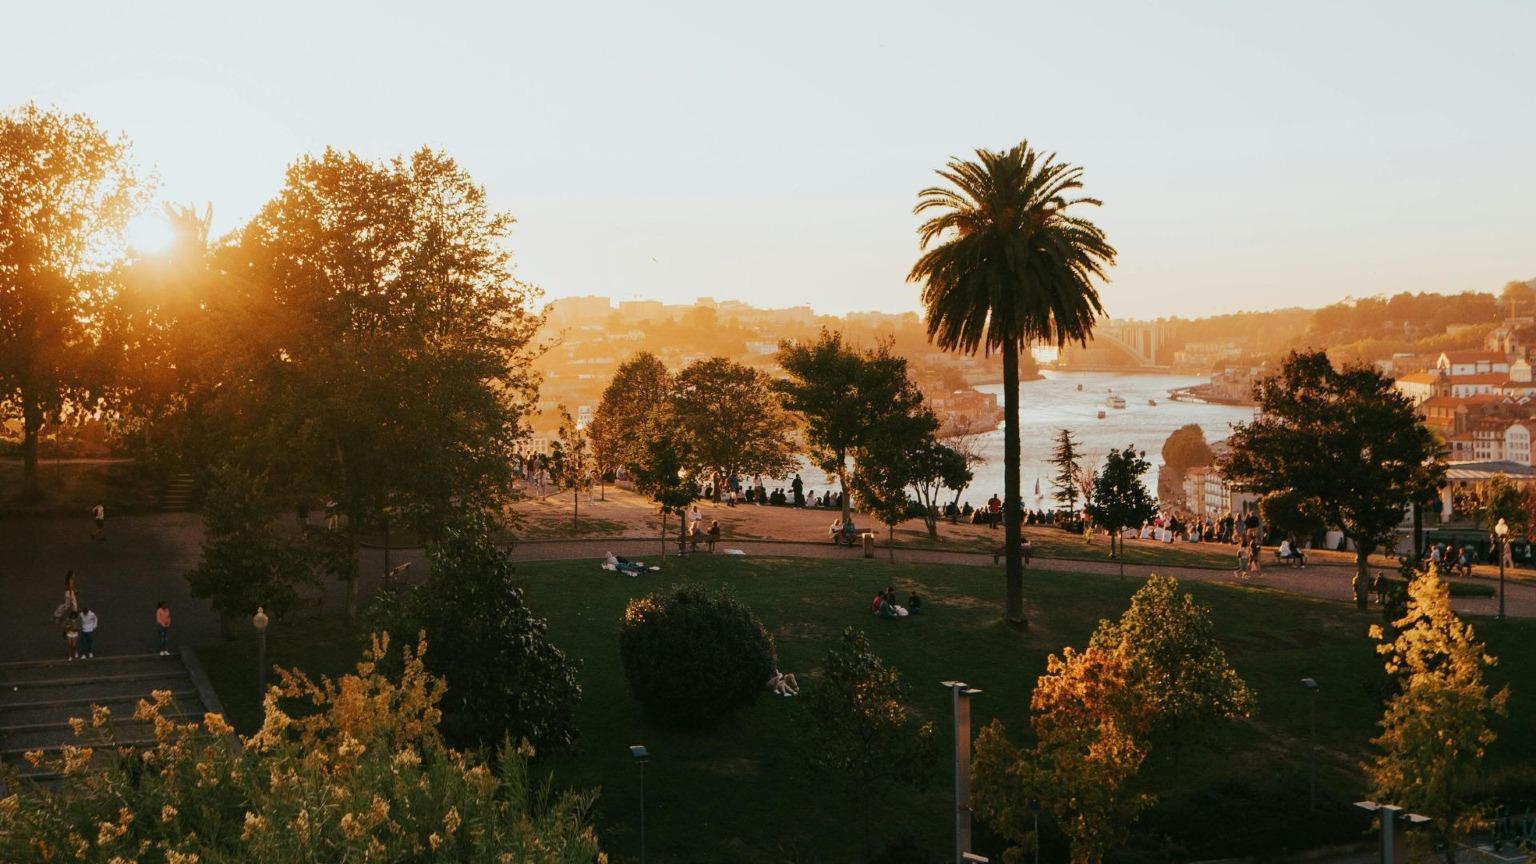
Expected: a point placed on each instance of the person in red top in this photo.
(163, 628)
(994, 510)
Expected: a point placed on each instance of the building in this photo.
(1418, 386)
(574, 310)
(1459, 363)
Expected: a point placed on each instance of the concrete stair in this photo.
(180, 493)
(38, 698)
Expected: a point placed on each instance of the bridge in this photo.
(1145, 343)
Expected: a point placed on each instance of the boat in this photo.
(1116, 401)
(1079, 387)
(1152, 402)
(1101, 415)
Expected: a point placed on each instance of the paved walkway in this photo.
(1328, 582)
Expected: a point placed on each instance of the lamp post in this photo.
(1395, 822)
(962, 711)
(640, 755)
(259, 621)
(1502, 530)
(1311, 685)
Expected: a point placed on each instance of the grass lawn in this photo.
(747, 792)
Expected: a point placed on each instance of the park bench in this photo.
(1293, 561)
(851, 536)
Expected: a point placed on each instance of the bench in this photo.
(1297, 558)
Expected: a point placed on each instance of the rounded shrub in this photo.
(693, 657)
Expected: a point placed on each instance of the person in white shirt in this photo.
(87, 633)
(99, 513)
(1291, 553)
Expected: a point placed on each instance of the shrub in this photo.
(693, 657)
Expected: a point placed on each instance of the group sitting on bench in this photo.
(843, 532)
(1290, 553)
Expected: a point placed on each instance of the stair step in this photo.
(105, 658)
(184, 702)
(52, 737)
(84, 670)
(15, 754)
(99, 689)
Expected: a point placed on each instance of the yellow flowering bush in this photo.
(365, 777)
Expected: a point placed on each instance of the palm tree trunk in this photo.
(1014, 565)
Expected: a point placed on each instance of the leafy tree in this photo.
(1499, 499)
(363, 774)
(1342, 438)
(1436, 729)
(663, 474)
(68, 191)
(505, 679)
(865, 740)
(937, 466)
(575, 463)
(1120, 499)
(640, 388)
(733, 420)
(692, 657)
(377, 345)
(892, 458)
(1184, 449)
(1291, 514)
(1069, 470)
(245, 563)
(1010, 266)
(842, 394)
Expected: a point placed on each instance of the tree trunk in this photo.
(890, 542)
(576, 507)
(842, 482)
(1362, 581)
(1014, 569)
(1418, 531)
(663, 534)
(32, 424)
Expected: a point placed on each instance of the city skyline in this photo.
(1247, 158)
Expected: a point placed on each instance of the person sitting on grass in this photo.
(889, 607)
(784, 684)
(914, 604)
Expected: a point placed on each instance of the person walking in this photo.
(88, 623)
(99, 513)
(163, 628)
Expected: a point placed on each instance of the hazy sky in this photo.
(1251, 155)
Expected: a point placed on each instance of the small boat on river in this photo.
(1102, 415)
(1116, 401)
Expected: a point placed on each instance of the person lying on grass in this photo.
(623, 565)
(784, 684)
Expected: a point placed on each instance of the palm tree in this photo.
(1005, 265)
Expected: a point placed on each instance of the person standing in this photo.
(99, 513)
(88, 633)
(71, 601)
(163, 628)
(994, 510)
(71, 635)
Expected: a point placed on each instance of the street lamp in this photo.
(1395, 823)
(1311, 685)
(640, 755)
(1502, 530)
(962, 712)
(259, 621)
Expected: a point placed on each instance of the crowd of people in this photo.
(78, 622)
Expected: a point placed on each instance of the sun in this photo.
(150, 233)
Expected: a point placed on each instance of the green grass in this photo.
(746, 792)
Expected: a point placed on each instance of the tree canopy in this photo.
(1120, 499)
(733, 420)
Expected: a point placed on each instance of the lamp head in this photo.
(1309, 683)
(1502, 528)
(260, 619)
(639, 753)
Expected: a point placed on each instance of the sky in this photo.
(1249, 155)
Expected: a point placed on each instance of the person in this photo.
(1437, 555)
(1242, 562)
(694, 516)
(994, 511)
(71, 624)
(875, 604)
(99, 513)
(797, 487)
(1253, 555)
(713, 534)
(163, 628)
(70, 599)
(87, 644)
(890, 607)
(623, 565)
(1291, 554)
(784, 684)
(914, 604)
(1025, 549)
(1379, 587)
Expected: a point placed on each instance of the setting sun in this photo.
(150, 233)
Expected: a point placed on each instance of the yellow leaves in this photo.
(351, 826)
(167, 813)
(110, 831)
(100, 716)
(253, 825)
(451, 820)
(434, 841)
(216, 725)
(174, 857)
(76, 758)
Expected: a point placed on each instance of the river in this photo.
(1053, 402)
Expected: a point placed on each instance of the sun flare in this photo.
(150, 233)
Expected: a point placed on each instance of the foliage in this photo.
(663, 474)
(898, 450)
(865, 740)
(639, 389)
(1069, 470)
(1184, 449)
(693, 658)
(573, 461)
(1291, 514)
(1120, 499)
(733, 419)
(1342, 438)
(246, 563)
(1435, 730)
(937, 466)
(363, 775)
(1008, 264)
(69, 189)
(843, 396)
(1149, 679)
(1500, 498)
(504, 678)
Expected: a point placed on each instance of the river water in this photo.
(1054, 402)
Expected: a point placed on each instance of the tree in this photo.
(1291, 514)
(1184, 449)
(1069, 470)
(1518, 294)
(640, 387)
(937, 466)
(1343, 438)
(505, 679)
(1500, 499)
(733, 420)
(841, 394)
(68, 190)
(1010, 266)
(1120, 499)
(245, 563)
(361, 772)
(1436, 729)
(574, 466)
(377, 346)
(663, 474)
(866, 742)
